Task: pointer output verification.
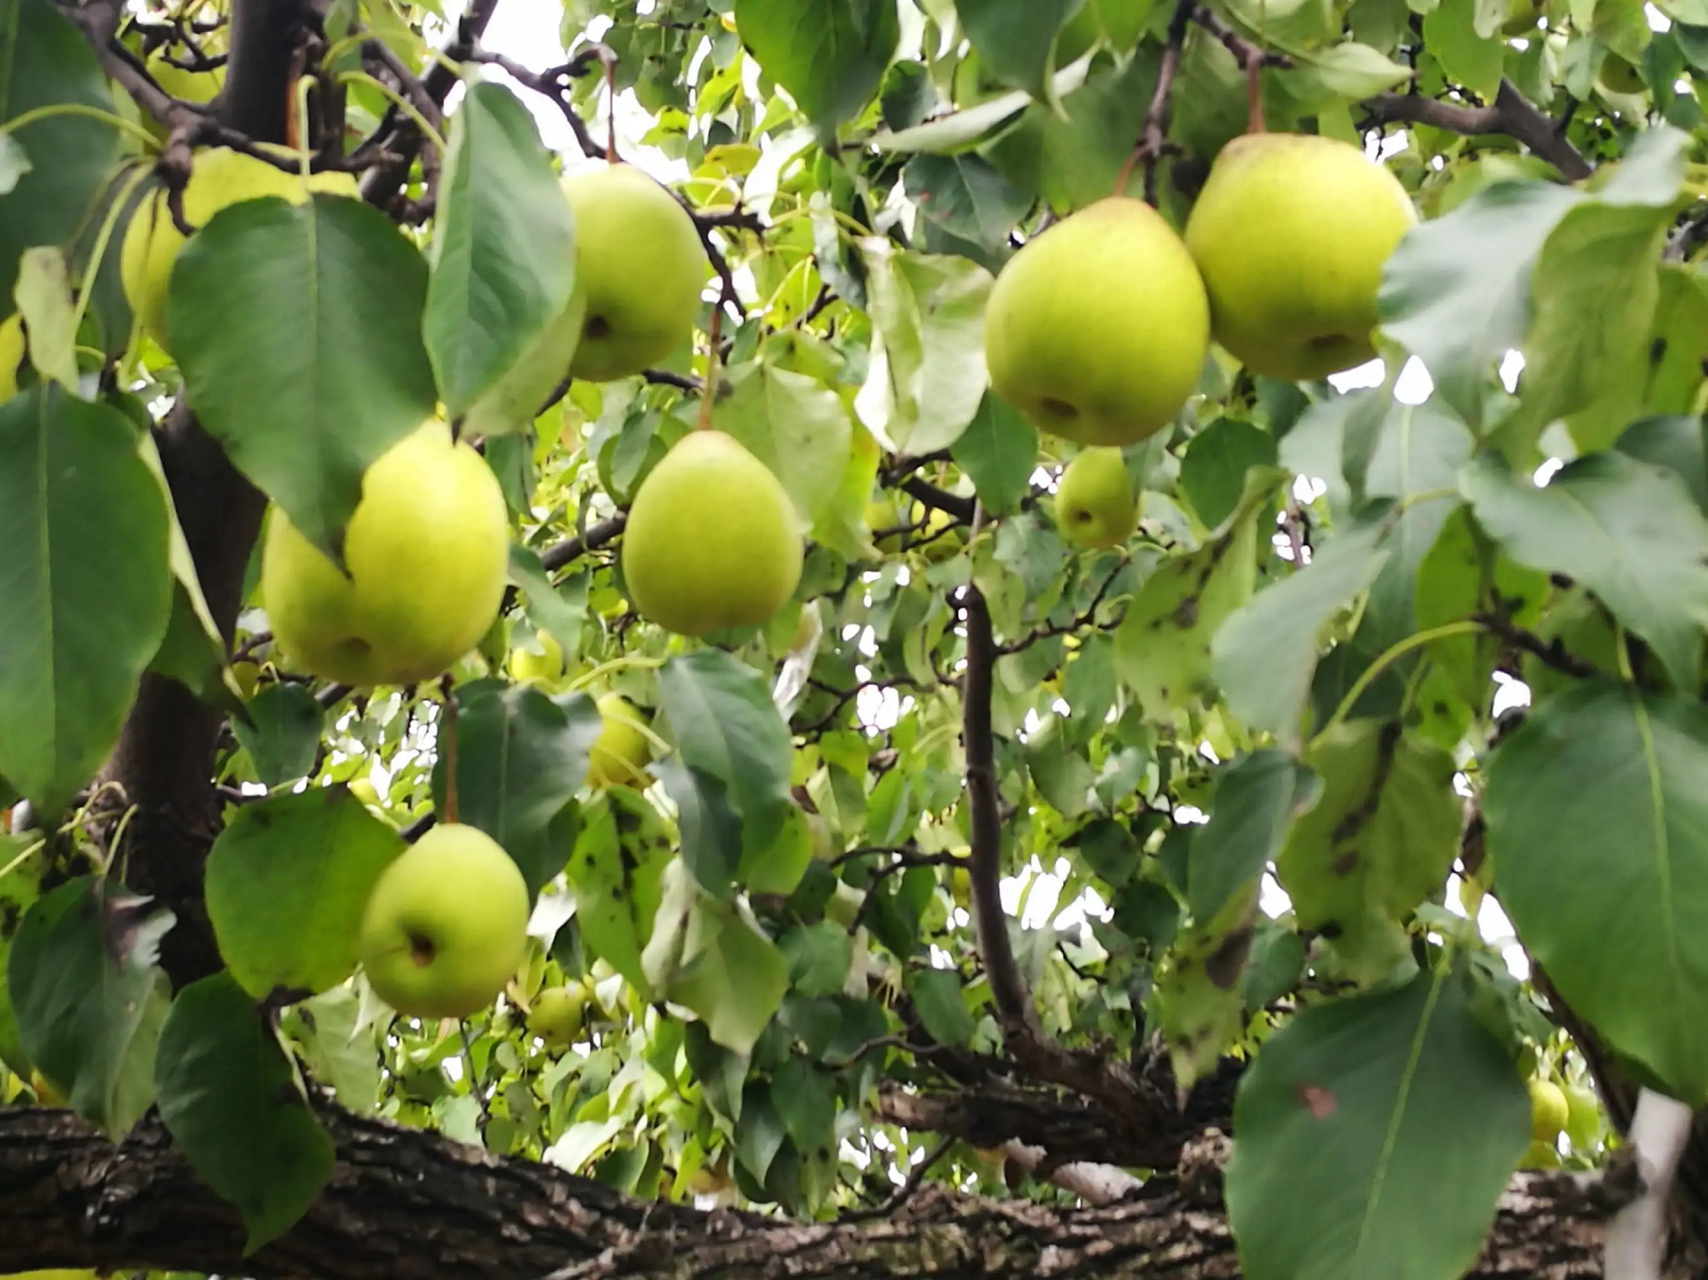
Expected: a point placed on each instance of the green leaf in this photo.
(44, 60)
(192, 651)
(1675, 442)
(282, 733)
(1199, 997)
(337, 1049)
(20, 884)
(927, 377)
(520, 758)
(829, 54)
(88, 996)
(298, 329)
(287, 882)
(999, 453)
(86, 587)
(1266, 653)
(1380, 838)
(818, 956)
(1374, 1137)
(1256, 801)
(1162, 649)
(503, 251)
(1613, 921)
(795, 425)
(711, 828)
(1213, 472)
(230, 1098)
(44, 298)
(805, 1099)
(1014, 37)
(730, 974)
(726, 728)
(1468, 56)
(967, 196)
(941, 1005)
(616, 872)
(1348, 72)
(1626, 530)
(548, 606)
(1456, 293)
(958, 129)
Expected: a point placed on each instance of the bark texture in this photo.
(407, 1205)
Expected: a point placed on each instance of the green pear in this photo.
(427, 552)
(1095, 502)
(620, 754)
(447, 924)
(559, 1015)
(218, 177)
(883, 515)
(1291, 232)
(11, 353)
(543, 667)
(1097, 329)
(1549, 1110)
(712, 541)
(640, 266)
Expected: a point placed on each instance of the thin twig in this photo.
(591, 539)
(1154, 139)
(905, 1192)
(1086, 618)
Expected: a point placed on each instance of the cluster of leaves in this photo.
(1274, 684)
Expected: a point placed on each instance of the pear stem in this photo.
(448, 750)
(714, 339)
(1254, 122)
(609, 59)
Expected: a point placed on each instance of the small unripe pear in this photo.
(620, 754)
(1095, 502)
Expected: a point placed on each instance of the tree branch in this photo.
(1511, 114)
(406, 1205)
(930, 495)
(594, 537)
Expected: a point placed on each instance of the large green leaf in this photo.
(287, 882)
(1596, 811)
(727, 730)
(1213, 472)
(85, 587)
(281, 732)
(520, 758)
(1678, 442)
(927, 375)
(795, 425)
(999, 453)
(1380, 838)
(730, 973)
(1014, 37)
(616, 871)
(89, 998)
(1266, 653)
(44, 60)
(829, 54)
(230, 1098)
(503, 251)
(298, 328)
(1626, 530)
(1199, 998)
(966, 196)
(1456, 292)
(1374, 1136)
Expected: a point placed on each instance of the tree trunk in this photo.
(407, 1205)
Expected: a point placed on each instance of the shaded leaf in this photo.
(1256, 801)
(999, 453)
(795, 425)
(941, 1005)
(1199, 997)
(829, 54)
(1213, 471)
(616, 871)
(281, 733)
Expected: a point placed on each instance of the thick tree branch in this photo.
(1511, 114)
(594, 537)
(406, 1205)
(931, 496)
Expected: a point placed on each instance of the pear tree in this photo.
(853, 638)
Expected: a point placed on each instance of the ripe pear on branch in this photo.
(1291, 232)
(712, 541)
(1097, 329)
(427, 551)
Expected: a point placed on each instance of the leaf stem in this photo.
(402, 103)
(1394, 653)
(82, 109)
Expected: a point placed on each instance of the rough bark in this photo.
(407, 1205)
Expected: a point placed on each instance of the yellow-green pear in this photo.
(1095, 502)
(218, 177)
(1097, 329)
(11, 353)
(883, 516)
(1549, 1110)
(427, 552)
(639, 266)
(1291, 232)
(446, 925)
(559, 1015)
(543, 667)
(619, 755)
(712, 541)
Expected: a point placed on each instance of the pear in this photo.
(1097, 329)
(712, 541)
(11, 353)
(427, 551)
(1095, 502)
(446, 925)
(1291, 232)
(639, 266)
(619, 755)
(218, 178)
(1549, 1109)
(559, 1015)
(544, 667)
